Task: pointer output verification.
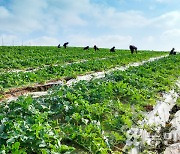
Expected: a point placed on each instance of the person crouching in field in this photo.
(96, 48)
(65, 44)
(172, 52)
(59, 46)
(112, 49)
(133, 49)
(86, 48)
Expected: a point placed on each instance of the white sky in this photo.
(148, 24)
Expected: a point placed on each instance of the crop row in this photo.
(88, 116)
(14, 79)
(25, 57)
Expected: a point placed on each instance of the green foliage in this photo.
(46, 57)
(88, 116)
(23, 57)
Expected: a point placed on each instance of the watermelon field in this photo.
(88, 116)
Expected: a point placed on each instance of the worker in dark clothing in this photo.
(96, 48)
(172, 52)
(65, 44)
(112, 49)
(133, 49)
(86, 48)
(59, 46)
